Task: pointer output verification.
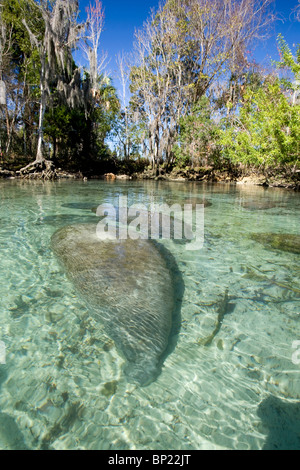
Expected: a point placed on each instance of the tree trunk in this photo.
(39, 153)
(54, 150)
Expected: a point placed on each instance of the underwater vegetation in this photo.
(223, 307)
(279, 241)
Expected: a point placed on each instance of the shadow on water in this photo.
(178, 288)
(282, 420)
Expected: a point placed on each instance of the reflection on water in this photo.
(228, 379)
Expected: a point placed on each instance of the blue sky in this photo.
(122, 17)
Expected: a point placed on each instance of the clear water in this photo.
(62, 385)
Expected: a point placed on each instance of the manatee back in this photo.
(128, 286)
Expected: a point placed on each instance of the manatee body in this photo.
(61, 220)
(128, 286)
(258, 205)
(153, 223)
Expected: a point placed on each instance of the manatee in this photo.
(61, 220)
(128, 286)
(279, 241)
(258, 205)
(79, 205)
(154, 221)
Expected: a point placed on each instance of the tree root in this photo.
(39, 169)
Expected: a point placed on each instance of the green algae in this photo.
(279, 241)
(109, 389)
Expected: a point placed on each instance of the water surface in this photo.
(231, 382)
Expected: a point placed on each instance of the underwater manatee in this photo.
(128, 286)
(155, 222)
(79, 205)
(61, 220)
(258, 205)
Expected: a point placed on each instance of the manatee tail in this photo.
(142, 373)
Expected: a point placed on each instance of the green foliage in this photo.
(12, 13)
(23, 56)
(267, 130)
(287, 60)
(73, 136)
(77, 135)
(169, 112)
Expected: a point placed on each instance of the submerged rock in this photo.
(279, 241)
(129, 287)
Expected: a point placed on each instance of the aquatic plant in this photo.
(279, 241)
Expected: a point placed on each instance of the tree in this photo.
(91, 43)
(266, 131)
(123, 126)
(196, 145)
(161, 91)
(182, 50)
(54, 46)
(290, 65)
(126, 131)
(16, 66)
(100, 98)
(53, 107)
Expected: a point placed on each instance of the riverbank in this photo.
(272, 179)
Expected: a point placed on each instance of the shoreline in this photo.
(208, 176)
